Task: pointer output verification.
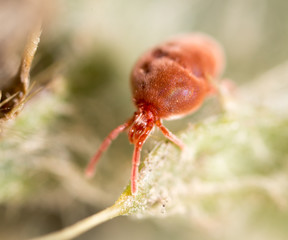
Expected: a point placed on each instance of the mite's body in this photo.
(169, 81)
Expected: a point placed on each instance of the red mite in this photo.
(168, 81)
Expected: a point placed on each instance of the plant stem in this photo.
(83, 225)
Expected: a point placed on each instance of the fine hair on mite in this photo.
(168, 81)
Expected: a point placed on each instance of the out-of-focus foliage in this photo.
(86, 53)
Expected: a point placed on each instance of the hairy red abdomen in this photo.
(173, 78)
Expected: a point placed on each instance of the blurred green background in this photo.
(86, 53)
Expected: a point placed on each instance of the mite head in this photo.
(143, 120)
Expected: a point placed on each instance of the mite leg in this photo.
(105, 144)
(228, 96)
(135, 166)
(170, 135)
(136, 156)
(225, 91)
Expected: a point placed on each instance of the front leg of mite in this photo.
(136, 158)
(105, 144)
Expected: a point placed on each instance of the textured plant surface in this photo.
(229, 183)
(233, 165)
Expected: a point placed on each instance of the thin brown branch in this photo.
(28, 55)
(19, 87)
